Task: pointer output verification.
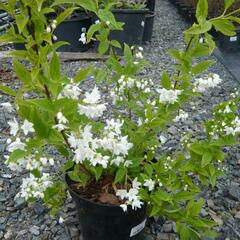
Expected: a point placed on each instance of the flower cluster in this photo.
(33, 187)
(201, 85)
(51, 27)
(31, 162)
(181, 116)
(71, 90)
(88, 147)
(130, 197)
(127, 83)
(7, 106)
(168, 96)
(62, 121)
(92, 108)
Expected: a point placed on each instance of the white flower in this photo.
(227, 109)
(61, 118)
(124, 207)
(181, 117)
(60, 127)
(71, 91)
(117, 161)
(92, 111)
(14, 127)
(127, 163)
(83, 38)
(61, 220)
(139, 55)
(136, 184)
(229, 130)
(7, 106)
(136, 203)
(92, 97)
(48, 29)
(97, 22)
(33, 187)
(168, 96)
(162, 139)
(122, 194)
(16, 145)
(201, 40)
(108, 23)
(203, 84)
(27, 127)
(53, 25)
(149, 183)
(54, 37)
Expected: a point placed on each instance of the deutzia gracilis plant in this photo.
(123, 150)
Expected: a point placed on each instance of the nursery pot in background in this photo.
(148, 28)
(133, 28)
(151, 5)
(107, 222)
(70, 31)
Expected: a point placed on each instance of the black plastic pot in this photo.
(148, 28)
(151, 5)
(107, 222)
(226, 43)
(70, 31)
(134, 26)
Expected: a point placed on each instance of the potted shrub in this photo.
(112, 167)
(132, 14)
(68, 27)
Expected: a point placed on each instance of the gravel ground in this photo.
(20, 221)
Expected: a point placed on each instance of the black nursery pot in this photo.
(151, 5)
(70, 31)
(148, 28)
(133, 28)
(107, 222)
(226, 43)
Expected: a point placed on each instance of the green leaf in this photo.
(91, 5)
(206, 158)
(199, 28)
(81, 75)
(121, 172)
(68, 165)
(202, 9)
(8, 90)
(115, 44)
(17, 154)
(103, 47)
(202, 66)
(22, 72)
(224, 26)
(166, 81)
(41, 127)
(55, 68)
(62, 16)
(127, 53)
(228, 4)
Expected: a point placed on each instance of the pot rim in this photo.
(67, 179)
(129, 10)
(76, 19)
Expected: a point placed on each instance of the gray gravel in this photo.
(19, 220)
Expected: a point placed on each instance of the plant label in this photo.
(137, 229)
(233, 39)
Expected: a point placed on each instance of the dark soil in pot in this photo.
(70, 31)
(99, 221)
